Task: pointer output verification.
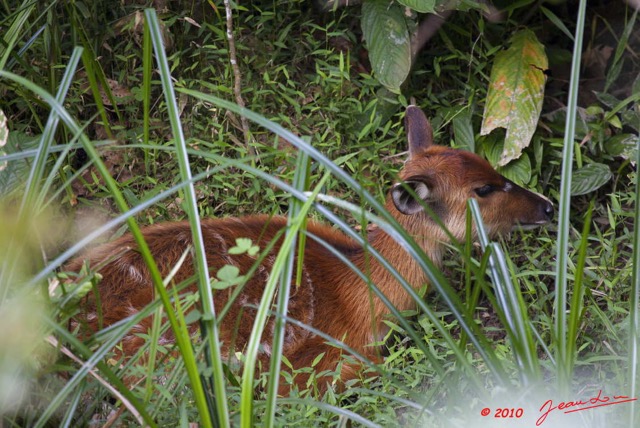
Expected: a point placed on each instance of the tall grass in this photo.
(207, 323)
(633, 357)
(565, 349)
(199, 380)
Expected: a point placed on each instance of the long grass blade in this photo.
(94, 72)
(287, 248)
(634, 311)
(14, 31)
(300, 182)
(46, 141)
(577, 298)
(511, 304)
(564, 222)
(208, 322)
(147, 75)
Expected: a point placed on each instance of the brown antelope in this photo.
(331, 298)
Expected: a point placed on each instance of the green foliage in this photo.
(422, 6)
(227, 276)
(244, 245)
(388, 42)
(589, 178)
(102, 129)
(389, 29)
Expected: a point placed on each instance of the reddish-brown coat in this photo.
(331, 298)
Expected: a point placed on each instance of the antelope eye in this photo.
(484, 190)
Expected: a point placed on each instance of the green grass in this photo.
(492, 333)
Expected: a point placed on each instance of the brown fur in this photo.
(331, 298)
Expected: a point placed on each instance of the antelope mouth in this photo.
(530, 226)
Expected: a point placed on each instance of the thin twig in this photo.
(237, 90)
(126, 403)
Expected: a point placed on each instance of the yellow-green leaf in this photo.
(515, 95)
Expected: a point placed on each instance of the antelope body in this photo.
(331, 298)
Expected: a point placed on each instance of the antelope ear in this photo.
(409, 196)
(418, 129)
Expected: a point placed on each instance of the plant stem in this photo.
(237, 77)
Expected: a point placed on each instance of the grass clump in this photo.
(97, 130)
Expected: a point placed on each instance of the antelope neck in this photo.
(426, 234)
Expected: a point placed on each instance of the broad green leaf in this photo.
(14, 173)
(607, 99)
(557, 119)
(589, 178)
(463, 131)
(623, 145)
(388, 41)
(430, 6)
(518, 171)
(490, 148)
(423, 6)
(631, 118)
(516, 91)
